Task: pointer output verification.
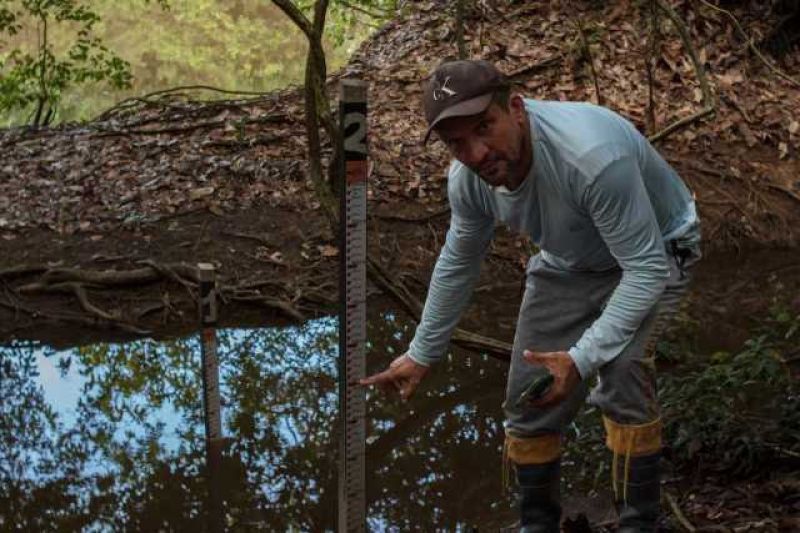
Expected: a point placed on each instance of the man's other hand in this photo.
(565, 375)
(403, 376)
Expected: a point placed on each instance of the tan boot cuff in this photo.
(533, 450)
(635, 440)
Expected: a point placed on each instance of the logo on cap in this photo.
(443, 91)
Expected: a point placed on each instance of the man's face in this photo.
(492, 143)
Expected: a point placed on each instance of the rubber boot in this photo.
(639, 501)
(540, 500)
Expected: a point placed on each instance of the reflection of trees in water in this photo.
(119, 465)
(39, 459)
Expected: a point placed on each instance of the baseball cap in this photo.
(458, 89)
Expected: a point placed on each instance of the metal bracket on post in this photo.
(353, 313)
(211, 398)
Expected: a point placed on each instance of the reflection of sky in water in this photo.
(135, 411)
(63, 389)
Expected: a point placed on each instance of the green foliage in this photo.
(347, 20)
(734, 415)
(39, 77)
(740, 410)
(246, 45)
(678, 344)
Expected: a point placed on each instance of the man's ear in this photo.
(517, 106)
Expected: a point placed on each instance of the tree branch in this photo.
(588, 52)
(144, 99)
(466, 339)
(297, 17)
(752, 45)
(709, 105)
(678, 513)
(371, 14)
(678, 124)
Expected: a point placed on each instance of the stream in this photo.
(110, 436)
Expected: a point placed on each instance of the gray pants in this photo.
(557, 308)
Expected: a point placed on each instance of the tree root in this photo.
(76, 281)
(110, 278)
(790, 193)
(93, 321)
(678, 124)
(423, 218)
(536, 67)
(21, 271)
(170, 272)
(280, 305)
(132, 102)
(79, 290)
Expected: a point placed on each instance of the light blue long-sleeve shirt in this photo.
(598, 196)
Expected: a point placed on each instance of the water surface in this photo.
(110, 436)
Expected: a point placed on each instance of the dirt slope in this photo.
(169, 180)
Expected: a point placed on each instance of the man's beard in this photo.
(504, 169)
(499, 171)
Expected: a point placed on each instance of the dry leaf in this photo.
(202, 192)
(328, 251)
(747, 133)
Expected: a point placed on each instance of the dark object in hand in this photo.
(540, 384)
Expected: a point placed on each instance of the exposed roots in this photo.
(79, 283)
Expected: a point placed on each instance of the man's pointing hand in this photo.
(403, 376)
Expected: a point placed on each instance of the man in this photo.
(616, 228)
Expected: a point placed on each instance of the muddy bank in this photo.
(289, 265)
(167, 182)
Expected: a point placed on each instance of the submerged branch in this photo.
(466, 339)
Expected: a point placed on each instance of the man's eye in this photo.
(483, 127)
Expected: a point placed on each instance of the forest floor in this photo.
(101, 223)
